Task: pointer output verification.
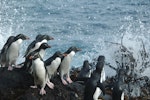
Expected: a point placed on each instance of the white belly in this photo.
(103, 78)
(122, 96)
(13, 51)
(97, 93)
(54, 65)
(65, 65)
(42, 53)
(39, 69)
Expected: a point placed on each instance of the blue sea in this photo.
(88, 24)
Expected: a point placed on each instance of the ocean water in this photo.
(87, 24)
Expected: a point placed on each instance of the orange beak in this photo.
(31, 57)
(65, 54)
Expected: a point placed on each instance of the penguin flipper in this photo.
(29, 48)
(101, 86)
(7, 44)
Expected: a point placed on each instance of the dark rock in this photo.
(15, 85)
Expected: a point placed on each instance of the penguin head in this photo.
(86, 64)
(59, 54)
(47, 37)
(21, 36)
(38, 36)
(73, 48)
(99, 66)
(101, 58)
(44, 46)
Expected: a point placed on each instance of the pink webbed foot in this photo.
(10, 68)
(33, 87)
(64, 82)
(42, 91)
(50, 84)
(17, 66)
(69, 80)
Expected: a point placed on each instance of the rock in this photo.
(15, 85)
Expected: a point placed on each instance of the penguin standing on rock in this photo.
(39, 72)
(94, 87)
(102, 60)
(65, 65)
(13, 50)
(118, 93)
(85, 71)
(37, 43)
(28, 62)
(52, 65)
(4, 51)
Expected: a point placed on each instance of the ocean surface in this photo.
(87, 24)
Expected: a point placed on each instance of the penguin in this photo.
(41, 51)
(39, 72)
(101, 58)
(52, 64)
(85, 72)
(64, 68)
(4, 51)
(94, 87)
(13, 50)
(118, 92)
(36, 43)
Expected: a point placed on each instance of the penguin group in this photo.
(41, 70)
(94, 81)
(60, 63)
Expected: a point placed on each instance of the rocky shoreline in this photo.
(15, 85)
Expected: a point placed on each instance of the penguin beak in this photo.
(78, 49)
(51, 38)
(27, 38)
(48, 46)
(31, 57)
(64, 54)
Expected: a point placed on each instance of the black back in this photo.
(31, 45)
(7, 44)
(21, 36)
(85, 71)
(99, 66)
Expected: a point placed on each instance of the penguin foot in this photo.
(64, 82)
(42, 91)
(17, 66)
(69, 80)
(33, 87)
(50, 85)
(10, 68)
